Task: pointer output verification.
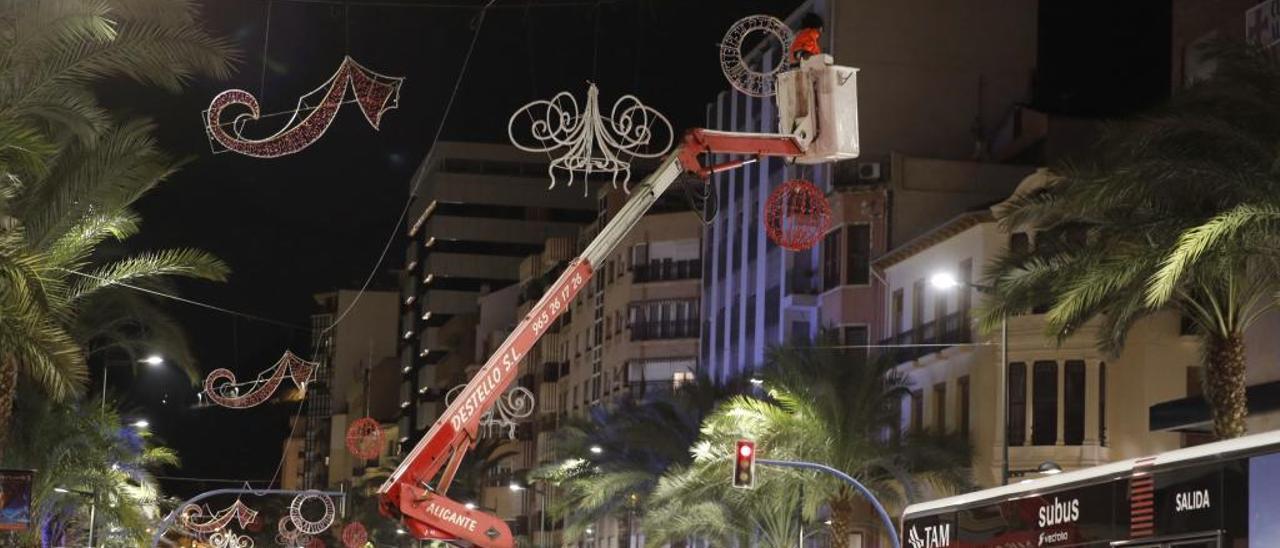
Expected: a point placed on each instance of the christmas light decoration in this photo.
(592, 142)
(515, 405)
(304, 526)
(288, 535)
(796, 215)
(364, 438)
(230, 393)
(229, 539)
(736, 69)
(354, 535)
(375, 93)
(192, 513)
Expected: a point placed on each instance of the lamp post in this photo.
(153, 360)
(946, 280)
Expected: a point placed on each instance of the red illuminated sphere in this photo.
(364, 438)
(796, 215)
(354, 535)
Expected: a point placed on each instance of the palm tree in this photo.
(70, 175)
(1174, 211)
(638, 439)
(822, 405)
(84, 450)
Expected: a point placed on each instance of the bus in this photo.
(1218, 495)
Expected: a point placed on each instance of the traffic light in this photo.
(744, 468)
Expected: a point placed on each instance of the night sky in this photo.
(318, 220)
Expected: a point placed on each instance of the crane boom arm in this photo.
(426, 511)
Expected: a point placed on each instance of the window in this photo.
(799, 332)
(856, 336)
(1019, 242)
(857, 269)
(831, 260)
(1044, 403)
(965, 291)
(917, 411)
(896, 313)
(1017, 429)
(940, 308)
(1102, 404)
(1073, 407)
(940, 406)
(962, 415)
(917, 305)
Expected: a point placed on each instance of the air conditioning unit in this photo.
(870, 171)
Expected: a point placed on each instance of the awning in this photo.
(1191, 414)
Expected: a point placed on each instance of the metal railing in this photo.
(657, 330)
(667, 270)
(933, 336)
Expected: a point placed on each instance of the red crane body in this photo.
(423, 507)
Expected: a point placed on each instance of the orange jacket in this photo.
(805, 41)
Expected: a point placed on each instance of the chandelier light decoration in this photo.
(588, 142)
(737, 70)
(515, 405)
(796, 215)
(364, 438)
(354, 535)
(192, 516)
(242, 395)
(375, 93)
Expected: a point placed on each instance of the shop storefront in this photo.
(1219, 495)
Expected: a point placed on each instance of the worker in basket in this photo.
(805, 44)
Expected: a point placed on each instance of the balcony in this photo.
(802, 281)
(667, 270)
(933, 337)
(652, 331)
(640, 390)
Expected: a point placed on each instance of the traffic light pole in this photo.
(884, 516)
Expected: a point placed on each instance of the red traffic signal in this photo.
(744, 468)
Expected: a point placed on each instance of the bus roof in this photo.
(1108, 471)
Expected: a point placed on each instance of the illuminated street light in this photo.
(141, 423)
(153, 360)
(596, 449)
(944, 280)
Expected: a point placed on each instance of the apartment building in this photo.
(1068, 402)
(345, 353)
(478, 211)
(935, 91)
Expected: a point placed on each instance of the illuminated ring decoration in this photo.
(743, 78)
(311, 527)
(354, 535)
(364, 438)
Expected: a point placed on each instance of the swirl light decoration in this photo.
(364, 438)
(288, 535)
(796, 215)
(736, 69)
(192, 513)
(375, 93)
(515, 405)
(229, 539)
(242, 395)
(301, 523)
(354, 535)
(587, 141)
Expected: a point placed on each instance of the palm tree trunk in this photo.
(1225, 376)
(843, 514)
(8, 391)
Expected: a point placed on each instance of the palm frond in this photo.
(189, 263)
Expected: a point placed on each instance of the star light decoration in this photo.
(756, 83)
(587, 141)
(229, 394)
(364, 438)
(375, 93)
(191, 515)
(513, 406)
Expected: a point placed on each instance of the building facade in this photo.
(478, 211)
(345, 353)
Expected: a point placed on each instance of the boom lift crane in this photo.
(817, 106)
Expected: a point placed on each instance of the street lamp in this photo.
(141, 424)
(153, 360)
(596, 450)
(948, 281)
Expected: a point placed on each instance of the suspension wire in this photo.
(448, 5)
(404, 212)
(266, 42)
(192, 302)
